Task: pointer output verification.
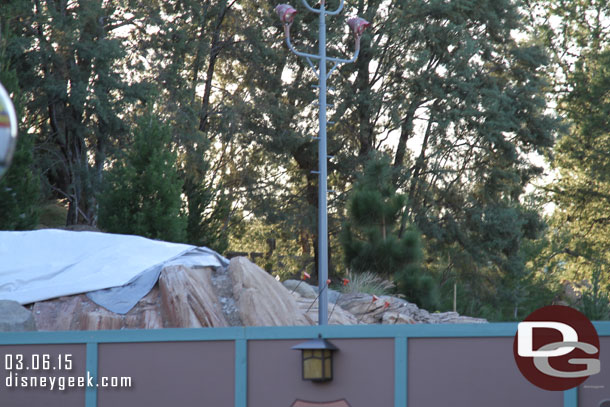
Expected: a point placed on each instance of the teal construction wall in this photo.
(382, 365)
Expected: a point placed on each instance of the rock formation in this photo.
(241, 294)
(389, 310)
(188, 298)
(261, 299)
(336, 314)
(14, 317)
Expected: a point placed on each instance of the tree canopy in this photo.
(192, 121)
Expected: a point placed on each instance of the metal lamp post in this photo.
(8, 130)
(357, 26)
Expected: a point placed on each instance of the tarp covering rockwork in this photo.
(115, 270)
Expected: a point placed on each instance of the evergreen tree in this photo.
(187, 54)
(377, 237)
(20, 190)
(142, 191)
(579, 42)
(446, 90)
(443, 87)
(20, 185)
(70, 66)
(596, 299)
(582, 190)
(473, 96)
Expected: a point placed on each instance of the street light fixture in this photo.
(286, 13)
(8, 130)
(357, 25)
(317, 359)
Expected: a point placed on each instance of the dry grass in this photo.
(367, 283)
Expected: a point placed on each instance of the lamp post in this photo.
(8, 130)
(357, 26)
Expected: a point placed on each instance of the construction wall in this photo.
(414, 366)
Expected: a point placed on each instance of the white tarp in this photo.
(43, 264)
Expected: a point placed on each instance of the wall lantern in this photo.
(317, 359)
(8, 130)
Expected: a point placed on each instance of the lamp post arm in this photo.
(339, 61)
(313, 67)
(335, 66)
(314, 10)
(301, 54)
(344, 61)
(318, 11)
(337, 11)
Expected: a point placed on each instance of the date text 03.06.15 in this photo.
(36, 362)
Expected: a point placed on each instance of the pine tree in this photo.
(595, 299)
(582, 191)
(446, 90)
(576, 35)
(377, 237)
(141, 193)
(187, 55)
(20, 192)
(70, 65)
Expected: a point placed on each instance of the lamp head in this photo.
(286, 13)
(357, 25)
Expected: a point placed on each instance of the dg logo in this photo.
(557, 348)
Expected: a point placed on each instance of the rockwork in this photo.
(242, 294)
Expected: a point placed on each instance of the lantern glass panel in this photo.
(328, 368)
(312, 369)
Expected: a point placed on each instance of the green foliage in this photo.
(208, 228)
(376, 237)
(596, 300)
(76, 94)
(462, 100)
(53, 214)
(582, 192)
(442, 87)
(20, 192)
(187, 58)
(279, 253)
(141, 194)
(579, 43)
